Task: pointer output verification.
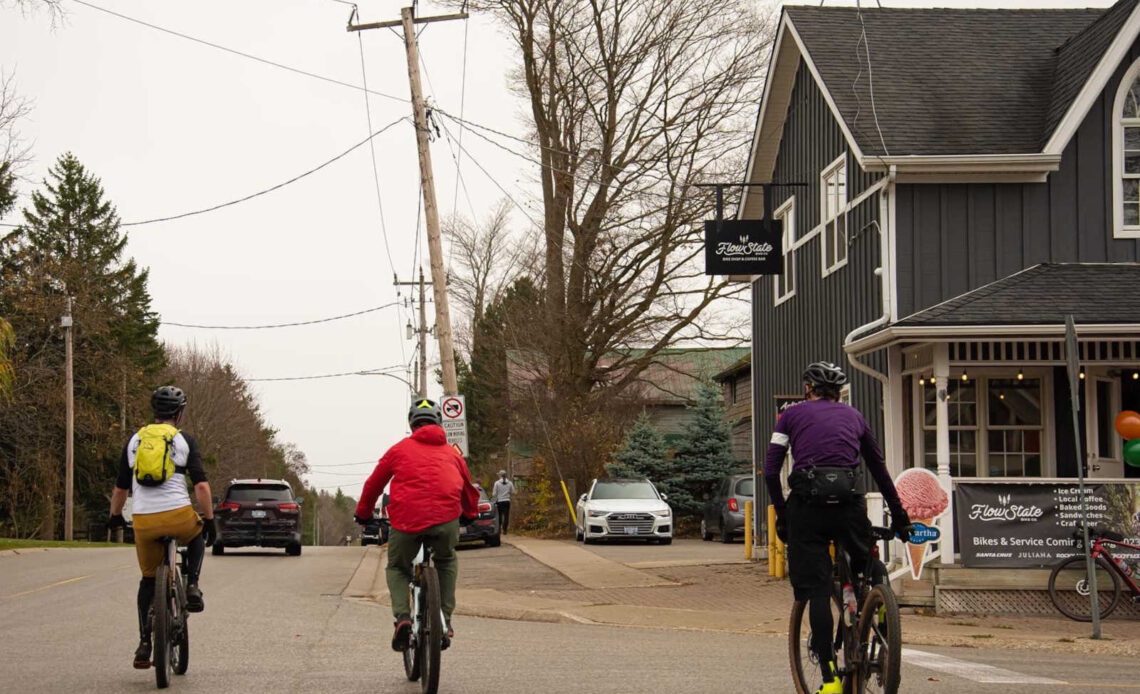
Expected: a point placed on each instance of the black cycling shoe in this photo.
(402, 638)
(142, 655)
(194, 601)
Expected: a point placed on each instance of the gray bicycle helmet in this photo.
(824, 373)
(167, 401)
(423, 412)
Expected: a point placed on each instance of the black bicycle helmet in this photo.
(423, 412)
(167, 401)
(826, 374)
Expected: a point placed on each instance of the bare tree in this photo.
(53, 8)
(633, 103)
(14, 151)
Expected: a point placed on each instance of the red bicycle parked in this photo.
(1069, 585)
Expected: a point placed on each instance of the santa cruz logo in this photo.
(1005, 511)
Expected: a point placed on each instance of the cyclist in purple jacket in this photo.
(825, 436)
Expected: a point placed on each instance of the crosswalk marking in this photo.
(975, 672)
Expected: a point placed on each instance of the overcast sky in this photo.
(171, 126)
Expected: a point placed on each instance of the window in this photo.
(833, 214)
(785, 283)
(1126, 155)
(845, 394)
(996, 426)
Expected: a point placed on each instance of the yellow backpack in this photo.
(154, 459)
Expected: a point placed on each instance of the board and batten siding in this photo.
(811, 325)
(953, 238)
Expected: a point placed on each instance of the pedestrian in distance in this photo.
(153, 468)
(501, 495)
(431, 490)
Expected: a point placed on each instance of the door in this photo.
(1105, 449)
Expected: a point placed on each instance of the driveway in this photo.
(682, 552)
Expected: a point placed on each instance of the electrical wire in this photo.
(364, 372)
(870, 75)
(281, 325)
(250, 56)
(279, 186)
(363, 462)
(462, 105)
(372, 149)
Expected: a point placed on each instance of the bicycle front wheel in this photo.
(1069, 588)
(433, 632)
(880, 643)
(162, 626)
(413, 655)
(806, 675)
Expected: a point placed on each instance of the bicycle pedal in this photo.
(444, 643)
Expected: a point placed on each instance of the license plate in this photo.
(257, 514)
(463, 530)
(630, 531)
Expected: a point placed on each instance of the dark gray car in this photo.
(723, 514)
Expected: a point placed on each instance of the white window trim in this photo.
(784, 212)
(1048, 422)
(840, 161)
(845, 394)
(1119, 230)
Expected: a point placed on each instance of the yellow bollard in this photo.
(748, 530)
(771, 540)
(569, 504)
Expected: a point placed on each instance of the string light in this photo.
(1001, 395)
(1081, 375)
(1136, 375)
(921, 380)
(1020, 375)
(965, 378)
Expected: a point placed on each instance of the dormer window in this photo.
(1126, 156)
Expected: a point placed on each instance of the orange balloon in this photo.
(1128, 425)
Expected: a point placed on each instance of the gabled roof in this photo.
(954, 81)
(1093, 293)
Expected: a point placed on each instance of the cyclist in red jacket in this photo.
(431, 489)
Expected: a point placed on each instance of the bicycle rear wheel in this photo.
(433, 632)
(806, 675)
(880, 643)
(413, 656)
(162, 626)
(1069, 588)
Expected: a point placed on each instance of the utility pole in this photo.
(422, 330)
(408, 20)
(69, 483)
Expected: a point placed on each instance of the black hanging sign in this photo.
(744, 247)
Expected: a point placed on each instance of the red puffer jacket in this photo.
(430, 483)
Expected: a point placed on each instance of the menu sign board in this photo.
(1029, 525)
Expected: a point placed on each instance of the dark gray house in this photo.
(965, 178)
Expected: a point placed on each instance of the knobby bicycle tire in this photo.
(1071, 597)
(162, 626)
(433, 632)
(413, 655)
(880, 643)
(799, 650)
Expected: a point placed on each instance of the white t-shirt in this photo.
(172, 493)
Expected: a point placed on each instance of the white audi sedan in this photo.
(624, 509)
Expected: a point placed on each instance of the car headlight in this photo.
(663, 514)
(594, 513)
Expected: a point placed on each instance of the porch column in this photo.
(942, 425)
(894, 414)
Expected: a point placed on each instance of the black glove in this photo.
(116, 521)
(781, 527)
(210, 531)
(362, 520)
(900, 522)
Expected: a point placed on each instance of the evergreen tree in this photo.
(642, 453)
(70, 246)
(704, 453)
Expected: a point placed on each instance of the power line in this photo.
(462, 105)
(364, 372)
(281, 325)
(372, 149)
(367, 140)
(282, 66)
(363, 462)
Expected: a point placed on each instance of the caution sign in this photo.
(454, 409)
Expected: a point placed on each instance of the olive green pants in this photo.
(402, 550)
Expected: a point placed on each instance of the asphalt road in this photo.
(276, 623)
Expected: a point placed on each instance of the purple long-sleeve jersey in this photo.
(828, 434)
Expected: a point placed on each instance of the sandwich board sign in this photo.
(454, 409)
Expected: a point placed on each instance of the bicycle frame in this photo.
(1101, 547)
(423, 558)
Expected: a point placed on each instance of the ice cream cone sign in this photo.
(924, 500)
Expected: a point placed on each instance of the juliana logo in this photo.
(1005, 511)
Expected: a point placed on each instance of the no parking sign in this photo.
(454, 409)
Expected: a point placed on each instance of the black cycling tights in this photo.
(822, 633)
(196, 552)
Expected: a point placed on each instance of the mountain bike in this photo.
(168, 615)
(868, 633)
(429, 628)
(1069, 586)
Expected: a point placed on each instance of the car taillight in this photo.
(288, 508)
(732, 505)
(229, 506)
(484, 507)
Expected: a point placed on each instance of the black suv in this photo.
(485, 526)
(259, 513)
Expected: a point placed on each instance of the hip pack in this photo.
(826, 486)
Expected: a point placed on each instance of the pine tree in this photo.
(642, 454)
(704, 454)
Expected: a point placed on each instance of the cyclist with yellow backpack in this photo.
(153, 469)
